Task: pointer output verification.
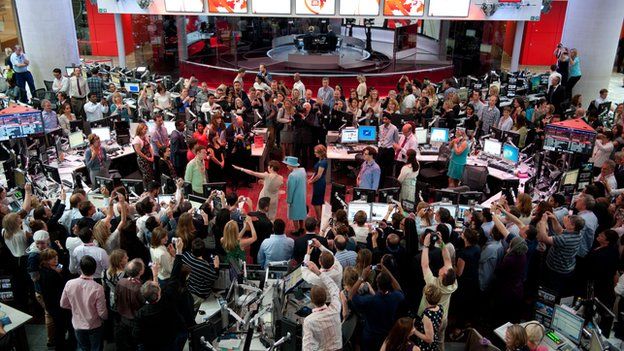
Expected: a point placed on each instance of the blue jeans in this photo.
(90, 340)
(21, 78)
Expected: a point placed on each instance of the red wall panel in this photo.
(541, 37)
(102, 32)
(510, 33)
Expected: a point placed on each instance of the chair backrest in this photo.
(475, 177)
(40, 93)
(391, 182)
(476, 342)
(348, 327)
(48, 85)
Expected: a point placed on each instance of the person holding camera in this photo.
(329, 265)
(272, 182)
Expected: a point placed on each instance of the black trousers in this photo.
(571, 83)
(385, 159)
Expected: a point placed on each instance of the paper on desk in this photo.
(72, 157)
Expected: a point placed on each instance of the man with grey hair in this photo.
(607, 176)
(50, 119)
(22, 74)
(584, 205)
(128, 300)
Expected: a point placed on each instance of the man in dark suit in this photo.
(332, 40)
(301, 243)
(556, 95)
(619, 169)
(262, 224)
(238, 149)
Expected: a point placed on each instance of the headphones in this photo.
(540, 326)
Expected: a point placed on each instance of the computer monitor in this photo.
(470, 197)
(115, 78)
(492, 147)
(362, 194)
(496, 133)
(461, 211)
(133, 88)
(76, 140)
(75, 126)
(337, 191)
(451, 208)
(103, 133)
(511, 137)
(439, 135)
(570, 177)
(133, 186)
(292, 280)
(367, 134)
(53, 173)
(603, 317)
(349, 136)
(421, 135)
(511, 154)
(354, 207)
(103, 181)
(379, 211)
(567, 323)
(209, 187)
(386, 195)
(446, 195)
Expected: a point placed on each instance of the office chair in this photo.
(475, 177)
(348, 328)
(48, 85)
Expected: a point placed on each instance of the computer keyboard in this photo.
(429, 150)
(351, 149)
(501, 166)
(112, 150)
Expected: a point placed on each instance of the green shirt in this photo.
(195, 175)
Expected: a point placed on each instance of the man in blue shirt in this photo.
(22, 74)
(378, 310)
(585, 204)
(370, 171)
(50, 119)
(278, 247)
(326, 93)
(347, 258)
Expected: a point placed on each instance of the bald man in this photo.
(238, 149)
(407, 141)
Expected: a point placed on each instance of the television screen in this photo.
(367, 133)
(104, 133)
(349, 135)
(184, 5)
(449, 8)
(421, 135)
(404, 8)
(315, 7)
(354, 207)
(511, 153)
(492, 147)
(227, 6)
(20, 125)
(359, 8)
(439, 135)
(271, 7)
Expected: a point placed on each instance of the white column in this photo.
(182, 48)
(595, 39)
(515, 54)
(121, 45)
(48, 35)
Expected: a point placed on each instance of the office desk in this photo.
(210, 306)
(18, 319)
(261, 154)
(74, 162)
(504, 176)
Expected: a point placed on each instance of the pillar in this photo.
(121, 45)
(48, 36)
(517, 47)
(596, 41)
(182, 47)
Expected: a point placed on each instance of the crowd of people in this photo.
(135, 272)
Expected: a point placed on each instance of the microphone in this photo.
(433, 121)
(207, 344)
(282, 340)
(486, 136)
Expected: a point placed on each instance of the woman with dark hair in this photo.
(408, 175)
(216, 158)
(130, 242)
(200, 133)
(410, 235)
(520, 127)
(318, 180)
(96, 159)
(144, 152)
(470, 122)
(602, 263)
(52, 281)
(518, 108)
(460, 148)
(398, 337)
(165, 164)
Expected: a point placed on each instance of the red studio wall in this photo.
(102, 32)
(541, 37)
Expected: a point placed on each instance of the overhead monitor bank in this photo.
(497, 10)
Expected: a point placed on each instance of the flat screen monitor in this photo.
(492, 147)
(421, 135)
(20, 125)
(314, 7)
(216, 6)
(379, 211)
(461, 211)
(449, 8)
(292, 280)
(271, 7)
(439, 135)
(354, 207)
(115, 79)
(53, 173)
(451, 208)
(570, 177)
(511, 137)
(496, 133)
(103, 181)
(567, 323)
(133, 186)
(76, 140)
(386, 195)
(367, 134)
(511, 153)
(470, 197)
(134, 88)
(446, 195)
(349, 136)
(103, 133)
(209, 187)
(361, 194)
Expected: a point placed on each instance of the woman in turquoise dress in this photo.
(233, 242)
(296, 192)
(460, 148)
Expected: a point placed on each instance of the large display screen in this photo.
(184, 5)
(449, 8)
(562, 139)
(20, 125)
(404, 7)
(359, 8)
(315, 7)
(271, 7)
(227, 6)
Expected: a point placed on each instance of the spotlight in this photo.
(489, 9)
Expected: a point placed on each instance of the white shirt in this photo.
(95, 112)
(59, 85)
(99, 254)
(207, 107)
(505, 123)
(162, 256)
(73, 87)
(610, 179)
(322, 330)
(411, 143)
(334, 272)
(299, 86)
(409, 101)
(163, 102)
(72, 243)
(17, 244)
(602, 153)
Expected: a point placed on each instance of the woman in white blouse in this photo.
(361, 89)
(14, 236)
(162, 254)
(162, 98)
(408, 175)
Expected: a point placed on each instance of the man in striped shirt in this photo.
(322, 329)
(203, 273)
(561, 258)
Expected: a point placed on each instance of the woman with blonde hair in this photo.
(96, 159)
(392, 108)
(524, 203)
(285, 116)
(427, 331)
(318, 180)
(361, 88)
(185, 230)
(162, 254)
(14, 235)
(516, 338)
(233, 242)
(272, 182)
(535, 335)
(118, 108)
(117, 262)
(373, 102)
(102, 229)
(145, 154)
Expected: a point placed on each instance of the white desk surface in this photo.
(335, 153)
(210, 306)
(474, 161)
(18, 318)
